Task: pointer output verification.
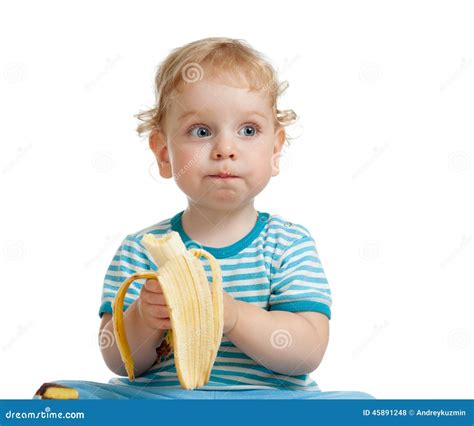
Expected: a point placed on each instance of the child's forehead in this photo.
(216, 93)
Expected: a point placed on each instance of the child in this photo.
(217, 131)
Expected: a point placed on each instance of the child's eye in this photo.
(254, 130)
(200, 131)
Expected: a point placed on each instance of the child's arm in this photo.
(142, 339)
(291, 343)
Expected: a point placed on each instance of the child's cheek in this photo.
(188, 167)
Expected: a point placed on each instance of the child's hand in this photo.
(152, 306)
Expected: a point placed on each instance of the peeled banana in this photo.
(196, 315)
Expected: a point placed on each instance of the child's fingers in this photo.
(153, 286)
(155, 318)
(152, 298)
(158, 311)
(163, 324)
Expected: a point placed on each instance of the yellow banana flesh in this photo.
(51, 390)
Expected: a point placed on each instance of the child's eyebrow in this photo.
(186, 114)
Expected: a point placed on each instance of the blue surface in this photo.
(97, 390)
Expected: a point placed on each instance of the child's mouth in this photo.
(223, 177)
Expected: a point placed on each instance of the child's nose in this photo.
(224, 146)
(220, 155)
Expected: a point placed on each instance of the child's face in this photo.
(213, 127)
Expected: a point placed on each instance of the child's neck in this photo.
(218, 228)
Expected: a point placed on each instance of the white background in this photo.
(381, 174)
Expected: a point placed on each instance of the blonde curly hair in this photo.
(217, 55)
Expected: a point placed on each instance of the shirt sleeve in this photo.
(299, 282)
(129, 258)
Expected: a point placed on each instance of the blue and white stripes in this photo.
(275, 266)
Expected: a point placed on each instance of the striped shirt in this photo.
(275, 267)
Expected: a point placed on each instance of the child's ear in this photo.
(280, 137)
(157, 142)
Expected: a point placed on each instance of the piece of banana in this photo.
(56, 391)
(196, 314)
